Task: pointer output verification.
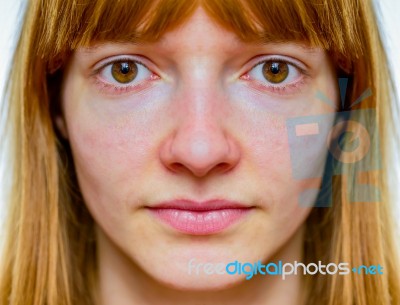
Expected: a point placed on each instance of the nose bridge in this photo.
(200, 137)
(200, 141)
(200, 91)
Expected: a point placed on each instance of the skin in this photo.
(200, 128)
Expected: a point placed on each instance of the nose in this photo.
(200, 146)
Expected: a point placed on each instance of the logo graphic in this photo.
(279, 268)
(352, 147)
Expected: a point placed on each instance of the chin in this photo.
(199, 283)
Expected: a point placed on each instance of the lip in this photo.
(200, 218)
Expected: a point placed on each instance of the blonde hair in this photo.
(50, 250)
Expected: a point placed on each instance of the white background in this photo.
(11, 10)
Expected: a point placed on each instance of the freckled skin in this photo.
(198, 132)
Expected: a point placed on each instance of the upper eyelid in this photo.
(257, 60)
(99, 66)
(297, 64)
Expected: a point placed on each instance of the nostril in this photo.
(223, 167)
(218, 168)
(176, 166)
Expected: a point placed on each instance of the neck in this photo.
(122, 282)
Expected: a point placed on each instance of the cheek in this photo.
(272, 155)
(102, 162)
(112, 140)
(112, 154)
(287, 152)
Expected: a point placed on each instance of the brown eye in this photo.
(275, 71)
(124, 72)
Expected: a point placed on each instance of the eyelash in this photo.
(106, 87)
(290, 88)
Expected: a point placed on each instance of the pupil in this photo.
(275, 68)
(125, 68)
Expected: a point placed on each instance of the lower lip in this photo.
(200, 222)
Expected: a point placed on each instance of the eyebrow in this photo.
(98, 45)
(306, 47)
(262, 42)
(87, 51)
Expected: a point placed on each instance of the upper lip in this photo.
(192, 205)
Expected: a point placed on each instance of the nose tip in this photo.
(200, 152)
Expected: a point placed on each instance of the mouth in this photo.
(200, 218)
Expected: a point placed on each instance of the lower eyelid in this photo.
(113, 89)
(291, 88)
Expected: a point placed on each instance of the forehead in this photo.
(199, 30)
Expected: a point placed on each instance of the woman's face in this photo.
(200, 116)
